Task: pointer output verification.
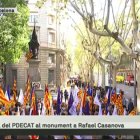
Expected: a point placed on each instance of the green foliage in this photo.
(83, 60)
(13, 31)
(40, 3)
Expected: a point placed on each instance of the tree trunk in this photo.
(138, 90)
(136, 42)
(103, 74)
(113, 76)
(91, 78)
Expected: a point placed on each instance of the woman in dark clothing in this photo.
(66, 95)
(130, 106)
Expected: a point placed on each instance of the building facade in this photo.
(51, 50)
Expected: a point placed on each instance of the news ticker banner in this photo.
(70, 124)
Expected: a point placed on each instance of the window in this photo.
(14, 75)
(50, 20)
(51, 76)
(52, 58)
(51, 37)
(61, 60)
(32, 18)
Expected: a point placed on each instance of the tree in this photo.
(14, 33)
(86, 9)
(85, 62)
(120, 31)
(95, 44)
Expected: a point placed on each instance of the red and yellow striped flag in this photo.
(90, 103)
(47, 98)
(84, 98)
(79, 94)
(121, 111)
(14, 90)
(113, 98)
(27, 91)
(1, 92)
(81, 99)
(118, 102)
(3, 99)
(33, 104)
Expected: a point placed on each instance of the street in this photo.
(128, 90)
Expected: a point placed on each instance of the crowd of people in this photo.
(84, 99)
(19, 108)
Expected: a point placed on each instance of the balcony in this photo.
(51, 26)
(51, 45)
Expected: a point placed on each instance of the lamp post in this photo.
(137, 51)
(135, 84)
(110, 77)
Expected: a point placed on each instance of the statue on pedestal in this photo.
(34, 61)
(34, 45)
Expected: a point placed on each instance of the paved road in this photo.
(128, 90)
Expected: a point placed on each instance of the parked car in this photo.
(129, 80)
(119, 79)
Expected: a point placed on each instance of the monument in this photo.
(34, 62)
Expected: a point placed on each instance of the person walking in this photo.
(61, 92)
(130, 106)
(66, 95)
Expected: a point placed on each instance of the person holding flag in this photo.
(47, 102)
(33, 110)
(58, 109)
(70, 102)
